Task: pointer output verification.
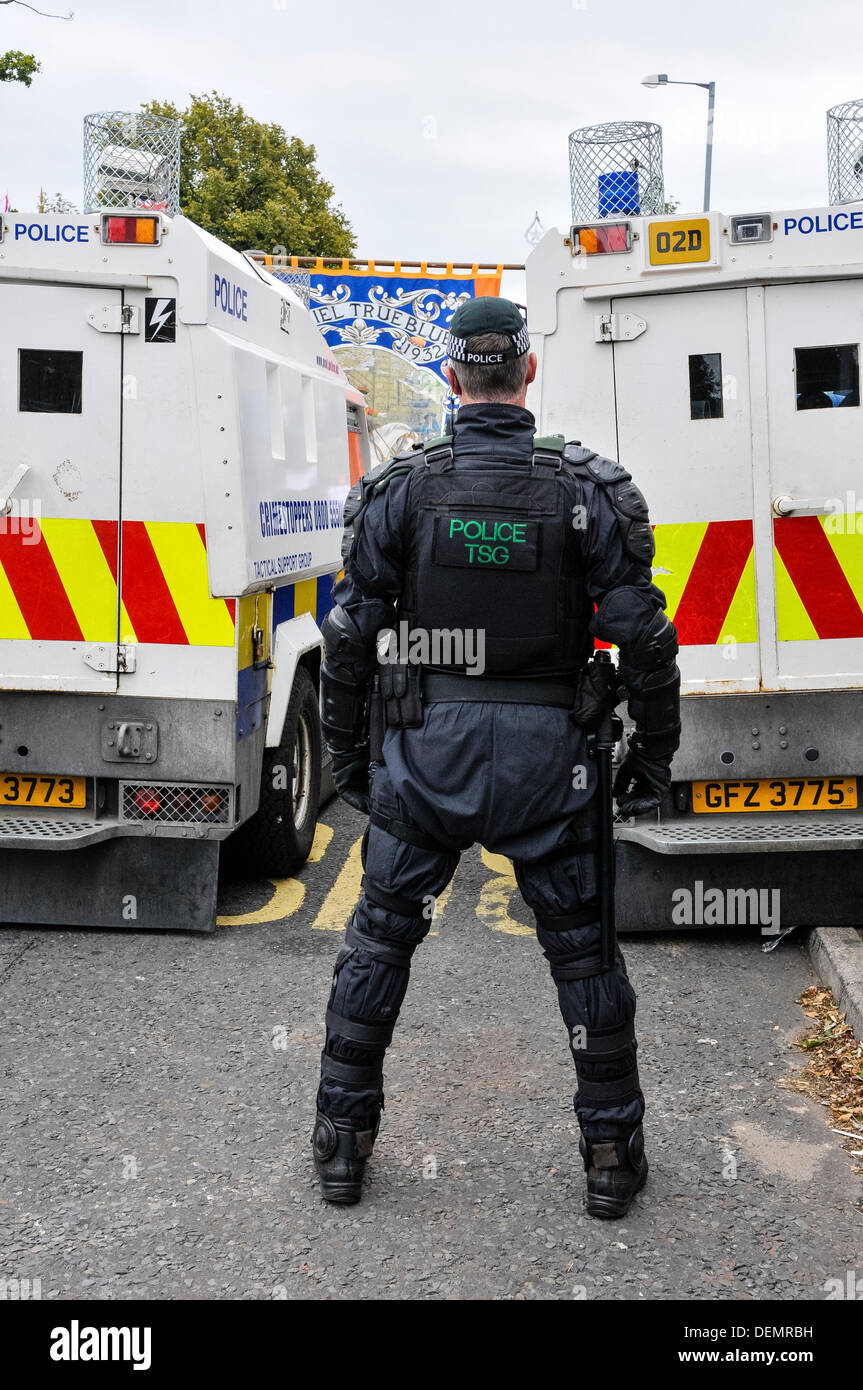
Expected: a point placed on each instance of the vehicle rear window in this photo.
(705, 386)
(827, 377)
(49, 381)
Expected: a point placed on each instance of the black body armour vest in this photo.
(493, 550)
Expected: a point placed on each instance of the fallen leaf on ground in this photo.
(833, 1074)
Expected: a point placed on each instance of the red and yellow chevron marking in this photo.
(707, 572)
(61, 584)
(819, 575)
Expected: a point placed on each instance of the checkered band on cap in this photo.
(458, 351)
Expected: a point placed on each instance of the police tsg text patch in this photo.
(486, 542)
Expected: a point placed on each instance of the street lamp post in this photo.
(661, 79)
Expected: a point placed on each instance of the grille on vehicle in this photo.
(175, 804)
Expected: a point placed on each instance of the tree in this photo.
(18, 67)
(252, 185)
(670, 205)
(56, 204)
(22, 67)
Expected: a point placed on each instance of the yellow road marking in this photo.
(323, 835)
(342, 897)
(289, 893)
(287, 897)
(440, 905)
(495, 895)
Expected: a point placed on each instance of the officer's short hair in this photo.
(494, 381)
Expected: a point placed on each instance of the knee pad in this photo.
(571, 960)
(416, 908)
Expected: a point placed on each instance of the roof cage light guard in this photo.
(131, 162)
(615, 170)
(845, 152)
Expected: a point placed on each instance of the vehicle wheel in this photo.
(276, 840)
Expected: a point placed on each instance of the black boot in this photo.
(340, 1154)
(616, 1169)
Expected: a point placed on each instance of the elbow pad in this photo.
(345, 673)
(346, 651)
(654, 648)
(344, 717)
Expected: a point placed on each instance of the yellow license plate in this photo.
(35, 791)
(674, 243)
(782, 794)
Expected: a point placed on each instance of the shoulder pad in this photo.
(379, 480)
(550, 443)
(603, 469)
(435, 443)
(362, 492)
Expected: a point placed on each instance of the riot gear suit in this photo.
(541, 548)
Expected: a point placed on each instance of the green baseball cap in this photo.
(487, 314)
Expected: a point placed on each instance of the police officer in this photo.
(522, 550)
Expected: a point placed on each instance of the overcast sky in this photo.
(443, 127)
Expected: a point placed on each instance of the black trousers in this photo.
(516, 779)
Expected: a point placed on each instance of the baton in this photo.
(601, 744)
(376, 721)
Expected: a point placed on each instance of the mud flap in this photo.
(668, 892)
(127, 883)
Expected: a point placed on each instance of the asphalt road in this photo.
(158, 1095)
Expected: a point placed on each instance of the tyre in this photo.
(276, 840)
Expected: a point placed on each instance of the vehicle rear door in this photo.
(684, 431)
(60, 416)
(813, 336)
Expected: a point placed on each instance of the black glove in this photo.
(595, 693)
(351, 776)
(644, 773)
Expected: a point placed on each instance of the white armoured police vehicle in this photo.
(718, 358)
(178, 444)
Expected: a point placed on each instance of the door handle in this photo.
(803, 506)
(9, 489)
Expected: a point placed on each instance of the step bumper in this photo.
(745, 834)
(54, 832)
